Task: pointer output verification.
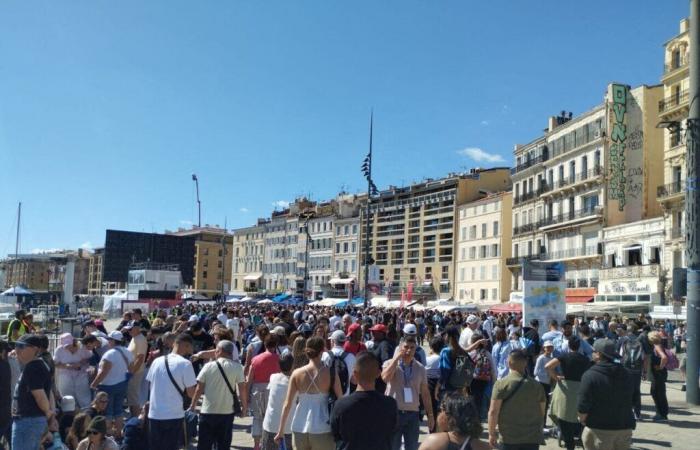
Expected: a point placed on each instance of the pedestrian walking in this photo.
(659, 375)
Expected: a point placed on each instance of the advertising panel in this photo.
(544, 298)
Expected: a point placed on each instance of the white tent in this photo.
(114, 302)
(17, 290)
(267, 301)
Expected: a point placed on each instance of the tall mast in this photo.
(14, 265)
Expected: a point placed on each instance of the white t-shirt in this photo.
(278, 385)
(64, 356)
(117, 373)
(217, 397)
(166, 401)
(333, 322)
(139, 346)
(234, 324)
(349, 361)
(465, 337)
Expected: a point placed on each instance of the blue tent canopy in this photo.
(280, 298)
(355, 302)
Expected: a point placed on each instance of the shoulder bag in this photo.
(237, 408)
(126, 361)
(191, 421)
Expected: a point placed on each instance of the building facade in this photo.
(320, 235)
(212, 260)
(247, 259)
(484, 244)
(48, 272)
(412, 231)
(673, 114)
(96, 285)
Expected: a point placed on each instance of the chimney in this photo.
(552, 123)
(685, 25)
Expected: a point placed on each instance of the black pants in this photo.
(215, 431)
(166, 434)
(658, 391)
(637, 392)
(478, 391)
(547, 389)
(569, 432)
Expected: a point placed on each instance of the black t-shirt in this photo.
(202, 341)
(364, 420)
(35, 376)
(573, 365)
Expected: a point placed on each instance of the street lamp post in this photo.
(371, 190)
(308, 217)
(199, 203)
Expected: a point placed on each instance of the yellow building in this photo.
(212, 266)
(413, 231)
(46, 272)
(95, 285)
(248, 254)
(484, 244)
(673, 113)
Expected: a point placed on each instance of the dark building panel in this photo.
(122, 248)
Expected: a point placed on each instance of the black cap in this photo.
(28, 339)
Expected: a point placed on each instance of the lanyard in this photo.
(407, 373)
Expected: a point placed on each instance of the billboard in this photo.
(544, 286)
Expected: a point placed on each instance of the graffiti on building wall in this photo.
(618, 136)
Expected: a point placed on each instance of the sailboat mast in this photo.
(14, 268)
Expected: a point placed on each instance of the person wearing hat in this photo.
(605, 401)
(353, 343)
(541, 373)
(465, 337)
(71, 362)
(411, 330)
(97, 438)
(33, 411)
(336, 354)
(112, 377)
(17, 327)
(138, 346)
(382, 348)
(282, 343)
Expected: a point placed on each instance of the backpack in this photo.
(135, 437)
(462, 372)
(482, 366)
(341, 368)
(633, 354)
(672, 362)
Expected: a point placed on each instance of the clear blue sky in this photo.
(108, 107)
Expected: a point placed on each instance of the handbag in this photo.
(237, 408)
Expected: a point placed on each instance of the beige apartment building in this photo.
(96, 286)
(412, 232)
(484, 244)
(673, 114)
(212, 266)
(46, 272)
(247, 260)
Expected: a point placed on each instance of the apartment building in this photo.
(320, 235)
(673, 114)
(247, 259)
(54, 272)
(412, 231)
(484, 244)
(96, 286)
(212, 259)
(586, 173)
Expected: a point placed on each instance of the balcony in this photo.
(580, 215)
(525, 196)
(518, 260)
(676, 65)
(673, 101)
(630, 272)
(593, 251)
(527, 164)
(667, 191)
(527, 228)
(572, 180)
(677, 233)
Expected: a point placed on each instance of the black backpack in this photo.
(462, 372)
(339, 366)
(633, 354)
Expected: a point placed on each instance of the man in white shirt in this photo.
(465, 338)
(216, 415)
(337, 342)
(166, 411)
(233, 323)
(334, 321)
(139, 348)
(222, 317)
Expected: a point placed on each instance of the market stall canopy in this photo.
(341, 280)
(253, 276)
(507, 308)
(17, 290)
(267, 301)
(114, 302)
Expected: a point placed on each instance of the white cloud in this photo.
(484, 123)
(282, 204)
(87, 245)
(479, 155)
(244, 210)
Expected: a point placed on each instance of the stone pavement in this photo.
(681, 431)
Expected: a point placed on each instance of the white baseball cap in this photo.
(338, 336)
(67, 403)
(472, 319)
(116, 336)
(410, 329)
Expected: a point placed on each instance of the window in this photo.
(590, 202)
(515, 251)
(354, 229)
(346, 230)
(353, 264)
(482, 294)
(516, 219)
(463, 253)
(482, 251)
(482, 273)
(495, 228)
(464, 233)
(494, 294)
(472, 252)
(345, 265)
(445, 272)
(473, 277)
(204, 274)
(494, 272)
(219, 264)
(345, 247)
(494, 250)
(337, 247)
(354, 247)
(428, 273)
(472, 232)
(337, 231)
(461, 274)
(337, 265)
(206, 252)
(483, 230)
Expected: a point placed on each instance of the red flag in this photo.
(409, 295)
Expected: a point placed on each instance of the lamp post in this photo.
(199, 203)
(308, 215)
(692, 209)
(371, 190)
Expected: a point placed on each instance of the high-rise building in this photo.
(412, 231)
(673, 114)
(484, 243)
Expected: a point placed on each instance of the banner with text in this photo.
(543, 288)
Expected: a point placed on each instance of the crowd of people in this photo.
(316, 378)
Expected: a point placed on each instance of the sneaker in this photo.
(659, 418)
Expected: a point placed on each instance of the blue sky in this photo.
(107, 108)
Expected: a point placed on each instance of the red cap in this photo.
(353, 327)
(380, 327)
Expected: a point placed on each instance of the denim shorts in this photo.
(27, 432)
(117, 394)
